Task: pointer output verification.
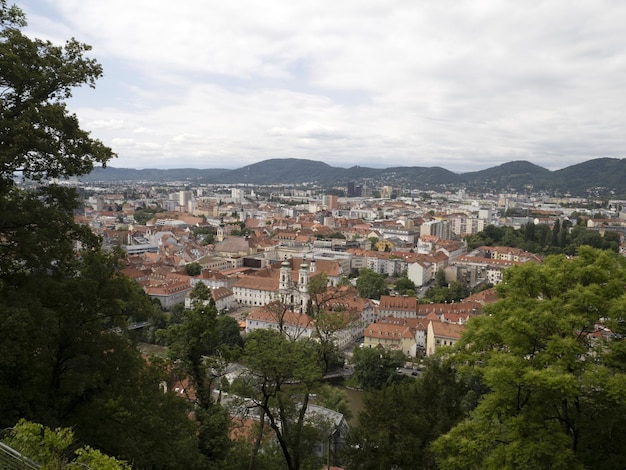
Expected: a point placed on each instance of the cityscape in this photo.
(351, 238)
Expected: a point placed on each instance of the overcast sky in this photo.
(461, 84)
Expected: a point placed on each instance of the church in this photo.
(289, 285)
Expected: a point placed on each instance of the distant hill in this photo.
(110, 174)
(280, 170)
(602, 176)
(431, 176)
(515, 175)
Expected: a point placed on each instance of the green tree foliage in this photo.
(318, 292)
(454, 292)
(545, 239)
(201, 292)
(440, 278)
(404, 286)
(194, 351)
(229, 332)
(327, 323)
(376, 368)
(337, 235)
(373, 242)
(282, 376)
(335, 399)
(271, 458)
(556, 386)
(55, 448)
(329, 318)
(139, 422)
(193, 269)
(143, 215)
(67, 360)
(66, 357)
(370, 284)
(207, 234)
(40, 138)
(399, 422)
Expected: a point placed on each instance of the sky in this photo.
(460, 84)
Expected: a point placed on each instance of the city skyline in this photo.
(461, 85)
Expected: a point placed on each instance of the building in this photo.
(223, 297)
(437, 228)
(212, 279)
(168, 293)
(352, 314)
(397, 306)
(420, 272)
(266, 286)
(408, 236)
(441, 334)
(386, 263)
(390, 336)
(295, 325)
(331, 202)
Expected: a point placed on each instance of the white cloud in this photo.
(107, 124)
(123, 143)
(462, 84)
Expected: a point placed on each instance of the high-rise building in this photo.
(183, 198)
(237, 195)
(332, 202)
(386, 192)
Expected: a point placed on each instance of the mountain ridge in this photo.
(594, 177)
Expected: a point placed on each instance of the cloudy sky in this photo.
(462, 84)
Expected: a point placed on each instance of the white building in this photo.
(420, 272)
(294, 325)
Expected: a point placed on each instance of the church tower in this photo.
(303, 277)
(221, 231)
(285, 275)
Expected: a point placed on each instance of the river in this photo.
(355, 397)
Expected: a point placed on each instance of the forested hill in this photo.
(602, 176)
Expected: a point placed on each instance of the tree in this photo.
(454, 292)
(319, 293)
(327, 323)
(335, 399)
(280, 310)
(40, 138)
(136, 420)
(229, 332)
(329, 319)
(337, 235)
(399, 422)
(551, 353)
(209, 239)
(143, 215)
(67, 360)
(193, 269)
(52, 448)
(191, 345)
(373, 241)
(375, 368)
(66, 357)
(200, 292)
(440, 279)
(370, 284)
(404, 286)
(282, 376)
